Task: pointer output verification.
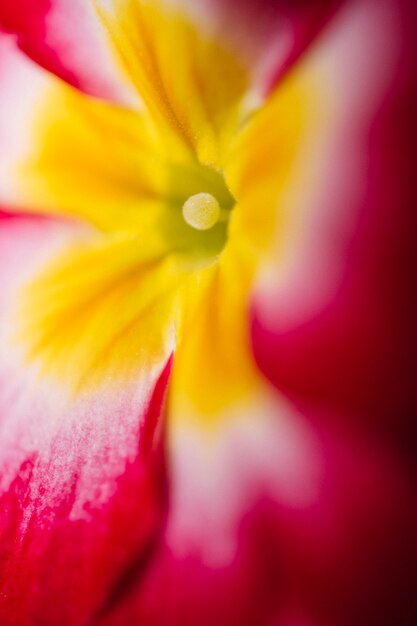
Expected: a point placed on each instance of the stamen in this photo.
(201, 211)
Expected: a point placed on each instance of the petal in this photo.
(82, 490)
(60, 35)
(214, 307)
(232, 445)
(262, 160)
(98, 316)
(269, 34)
(52, 158)
(334, 561)
(334, 319)
(195, 107)
(224, 55)
(66, 38)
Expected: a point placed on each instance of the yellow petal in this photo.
(91, 160)
(103, 314)
(262, 160)
(213, 365)
(191, 84)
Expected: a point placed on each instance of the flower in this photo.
(206, 382)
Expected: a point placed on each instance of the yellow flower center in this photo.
(164, 268)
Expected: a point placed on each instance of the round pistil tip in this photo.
(201, 211)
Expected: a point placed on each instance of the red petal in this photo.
(82, 483)
(347, 346)
(217, 561)
(348, 557)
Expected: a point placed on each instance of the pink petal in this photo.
(226, 487)
(344, 556)
(336, 327)
(23, 86)
(66, 38)
(275, 33)
(82, 482)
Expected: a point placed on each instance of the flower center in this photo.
(197, 208)
(201, 211)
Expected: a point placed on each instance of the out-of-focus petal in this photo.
(82, 486)
(226, 485)
(345, 555)
(262, 160)
(269, 34)
(334, 321)
(196, 107)
(67, 38)
(225, 55)
(279, 521)
(51, 152)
